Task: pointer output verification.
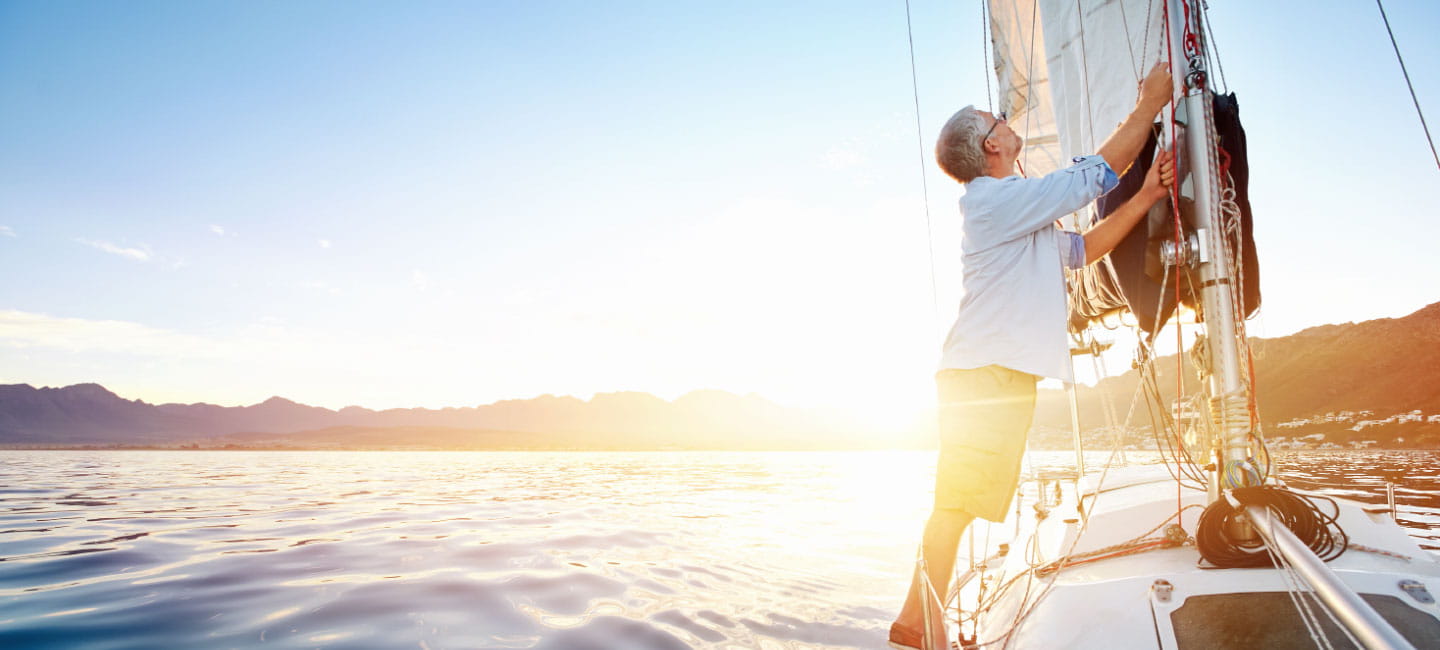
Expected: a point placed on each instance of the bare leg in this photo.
(940, 544)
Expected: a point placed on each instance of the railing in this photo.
(1367, 626)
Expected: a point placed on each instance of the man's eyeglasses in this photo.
(999, 117)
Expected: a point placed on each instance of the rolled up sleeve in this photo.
(1072, 250)
(1097, 173)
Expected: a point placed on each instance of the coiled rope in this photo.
(1317, 529)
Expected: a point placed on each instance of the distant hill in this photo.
(1387, 365)
(88, 414)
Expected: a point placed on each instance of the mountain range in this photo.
(1388, 365)
(89, 414)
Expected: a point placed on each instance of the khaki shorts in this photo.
(985, 414)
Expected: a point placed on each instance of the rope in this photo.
(1097, 363)
(1409, 85)
(1130, 43)
(1379, 551)
(924, 184)
(1305, 607)
(1138, 544)
(1170, 442)
(930, 598)
(1145, 45)
(1026, 606)
(1317, 529)
(1306, 602)
(1166, 432)
(1179, 230)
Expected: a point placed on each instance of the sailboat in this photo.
(1210, 549)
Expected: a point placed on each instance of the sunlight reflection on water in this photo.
(469, 549)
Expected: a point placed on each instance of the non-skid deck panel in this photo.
(1269, 619)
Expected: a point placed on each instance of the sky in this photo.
(452, 203)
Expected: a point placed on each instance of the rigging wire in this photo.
(1409, 85)
(1179, 229)
(1029, 82)
(1149, 11)
(1130, 43)
(1212, 50)
(1085, 77)
(985, 45)
(924, 183)
(1138, 67)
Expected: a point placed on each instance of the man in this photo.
(1011, 327)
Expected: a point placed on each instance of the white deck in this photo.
(1110, 603)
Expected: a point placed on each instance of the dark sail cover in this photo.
(1130, 278)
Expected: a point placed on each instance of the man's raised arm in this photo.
(1106, 235)
(1124, 144)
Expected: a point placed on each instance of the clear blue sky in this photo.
(450, 203)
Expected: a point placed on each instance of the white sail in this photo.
(1070, 74)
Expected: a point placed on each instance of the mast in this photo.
(1229, 393)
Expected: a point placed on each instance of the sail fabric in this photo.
(1069, 71)
(1024, 85)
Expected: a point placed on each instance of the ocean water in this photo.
(147, 549)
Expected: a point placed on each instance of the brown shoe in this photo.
(905, 638)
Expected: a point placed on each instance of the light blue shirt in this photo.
(1013, 310)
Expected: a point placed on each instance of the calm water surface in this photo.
(496, 550)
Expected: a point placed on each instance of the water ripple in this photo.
(494, 550)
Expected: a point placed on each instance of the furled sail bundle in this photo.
(1069, 72)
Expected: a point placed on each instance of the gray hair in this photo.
(958, 147)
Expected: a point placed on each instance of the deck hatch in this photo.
(1267, 619)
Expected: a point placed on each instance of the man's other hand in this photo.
(1160, 177)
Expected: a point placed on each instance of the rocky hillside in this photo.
(1387, 365)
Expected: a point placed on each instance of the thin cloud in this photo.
(420, 280)
(219, 230)
(25, 330)
(137, 254)
(324, 243)
(5, 231)
(321, 286)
